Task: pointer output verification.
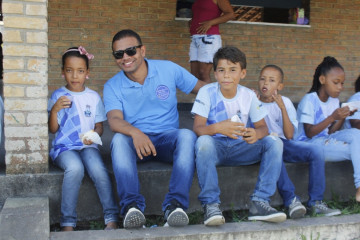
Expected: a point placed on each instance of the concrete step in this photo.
(339, 228)
(25, 219)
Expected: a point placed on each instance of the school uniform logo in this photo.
(87, 112)
(162, 92)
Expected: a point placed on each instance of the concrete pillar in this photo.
(25, 51)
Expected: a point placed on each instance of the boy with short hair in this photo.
(281, 121)
(223, 142)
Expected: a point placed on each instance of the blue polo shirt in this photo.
(151, 107)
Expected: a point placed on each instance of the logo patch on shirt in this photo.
(87, 112)
(162, 92)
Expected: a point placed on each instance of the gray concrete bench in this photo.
(236, 183)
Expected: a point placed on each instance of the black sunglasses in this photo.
(131, 51)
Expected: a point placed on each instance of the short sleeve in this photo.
(257, 110)
(112, 101)
(201, 105)
(100, 112)
(356, 115)
(306, 112)
(185, 81)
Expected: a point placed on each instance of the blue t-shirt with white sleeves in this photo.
(87, 109)
(312, 110)
(211, 104)
(356, 115)
(274, 119)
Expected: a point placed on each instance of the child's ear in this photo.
(280, 86)
(243, 74)
(322, 79)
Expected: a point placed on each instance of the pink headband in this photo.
(82, 51)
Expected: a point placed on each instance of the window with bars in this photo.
(280, 11)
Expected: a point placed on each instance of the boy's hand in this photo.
(62, 102)
(341, 113)
(231, 129)
(279, 101)
(353, 111)
(249, 135)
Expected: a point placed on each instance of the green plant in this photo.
(196, 218)
(96, 225)
(303, 237)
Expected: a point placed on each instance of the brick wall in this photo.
(334, 31)
(25, 86)
(32, 64)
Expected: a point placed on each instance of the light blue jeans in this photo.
(215, 151)
(173, 146)
(297, 151)
(342, 145)
(74, 163)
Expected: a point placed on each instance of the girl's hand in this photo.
(279, 101)
(62, 102)
(341, 113)
(249, 135)
(204, 27)
(87, 141)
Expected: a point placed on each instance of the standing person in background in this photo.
(205, 34)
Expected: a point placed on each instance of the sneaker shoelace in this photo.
(322, 206)
(212, 209)
(266, 206)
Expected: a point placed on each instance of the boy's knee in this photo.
(274, 142)
(204, 143)
(187, 136)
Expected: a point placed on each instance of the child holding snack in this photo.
(321, 118)
(227, 143)
(281, 120)
(354, 102)
(75, 110)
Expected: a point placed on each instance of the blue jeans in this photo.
(215, 151)
(342, 145)
(296, 151)
(73, 163)
(174, 146)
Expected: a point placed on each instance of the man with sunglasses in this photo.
(141, 106)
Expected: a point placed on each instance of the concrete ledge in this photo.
(25, 218)
(342, 227)
(236, 184)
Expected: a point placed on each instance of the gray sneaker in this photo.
(134, 218)
(262, 211)
(175, 215)
(213, 215)
(321, 208)
(296, 209)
